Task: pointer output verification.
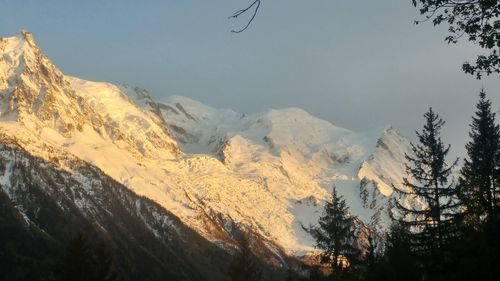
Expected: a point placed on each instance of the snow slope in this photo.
(219, 171)
(297, 157)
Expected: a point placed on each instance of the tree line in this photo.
(451, 234)
(445, 221)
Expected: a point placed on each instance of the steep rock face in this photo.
(124, 122)
(31, 87)
(220, 172)
(45, 205)
(297, 158)
(380, 173)
(129, 144)
(36, 94)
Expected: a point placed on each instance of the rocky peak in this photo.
(35, 92)
(28, 37)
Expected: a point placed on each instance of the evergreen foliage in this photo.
(480, 174)
(400, 261)
(86, 262)
(244, 266)
(478, 246)
(433, 225)
(336, 237)
(372, 260)
(452, 236)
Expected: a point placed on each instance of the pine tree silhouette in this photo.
(400, 261)
(480, 175)
(244, 266)
(478, 246)
(86, 262)
(433, 225)
(335, 236)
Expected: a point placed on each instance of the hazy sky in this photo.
(359, 64)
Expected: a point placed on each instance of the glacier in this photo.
(220, 172)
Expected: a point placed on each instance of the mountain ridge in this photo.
(264, 174)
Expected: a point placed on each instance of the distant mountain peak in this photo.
(28, 36)
(221, 172)
(34, 91)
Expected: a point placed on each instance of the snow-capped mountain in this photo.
(296, 155)
(220, 172)
(43, 203)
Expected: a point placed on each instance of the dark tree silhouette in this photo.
(479, 247)
(476, 19)
(434, 225)
(447, 239)
(336, 237)
(252, 8)
(84, 261)
(371, 262)
(480, 175)
(244, 266)
(400, 262)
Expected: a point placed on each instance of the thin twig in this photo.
(238, 13)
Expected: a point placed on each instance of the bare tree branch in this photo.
(255, 5)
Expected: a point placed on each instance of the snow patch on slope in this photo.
(297, 156)
(269, 172)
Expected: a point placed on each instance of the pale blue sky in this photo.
(359, 64)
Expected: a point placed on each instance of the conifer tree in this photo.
(86, 262)
(480, 175)
(244, 266)
(371, 258)
(479, 246)
(335, 236)
(433, 225)
(400, 261)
